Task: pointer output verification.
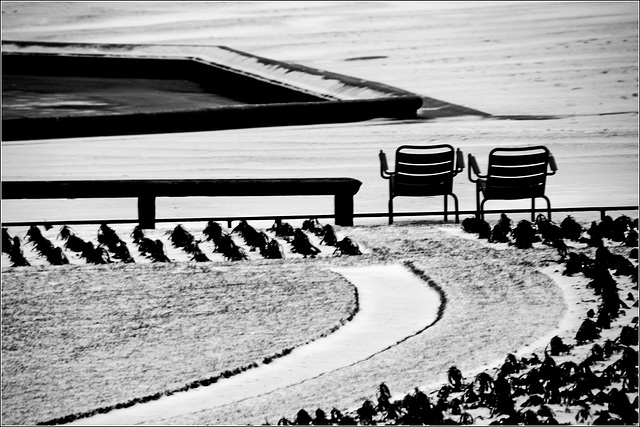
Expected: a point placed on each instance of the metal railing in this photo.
(230, 219)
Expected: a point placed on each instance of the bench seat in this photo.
(146, 191)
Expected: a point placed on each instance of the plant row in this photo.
(111, 247)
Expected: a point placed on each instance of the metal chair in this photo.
(423, 171)
(513, 174)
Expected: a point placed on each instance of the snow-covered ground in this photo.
(574, 64)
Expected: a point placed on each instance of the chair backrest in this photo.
(517, 173)
(424, 170)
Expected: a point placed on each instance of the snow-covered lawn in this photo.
(493, 299)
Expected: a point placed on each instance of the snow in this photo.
(573, 61)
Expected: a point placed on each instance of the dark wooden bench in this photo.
(146, 190)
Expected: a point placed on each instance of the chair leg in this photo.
(446, 217)
(391, 211)
(455, 203)
(481, 209)
(548, 206)
(533, 209)
(477, 202)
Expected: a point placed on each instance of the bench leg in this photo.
(147, 211)
(344, 209)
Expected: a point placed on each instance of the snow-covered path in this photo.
(394, 304)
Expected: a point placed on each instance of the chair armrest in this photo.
(459, 162)
(473, 166)
(384, 166)
(552, 165)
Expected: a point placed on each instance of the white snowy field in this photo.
(563, 75)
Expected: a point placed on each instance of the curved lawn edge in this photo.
(206, 381)
(440, 312)
(578, 294)
(441, 309)
(568, 324)
(389, 296)
(454, 266)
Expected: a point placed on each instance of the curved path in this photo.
(394, 304)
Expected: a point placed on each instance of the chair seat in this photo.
(509, 193)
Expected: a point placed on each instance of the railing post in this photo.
(344, 209)
(147, 211)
